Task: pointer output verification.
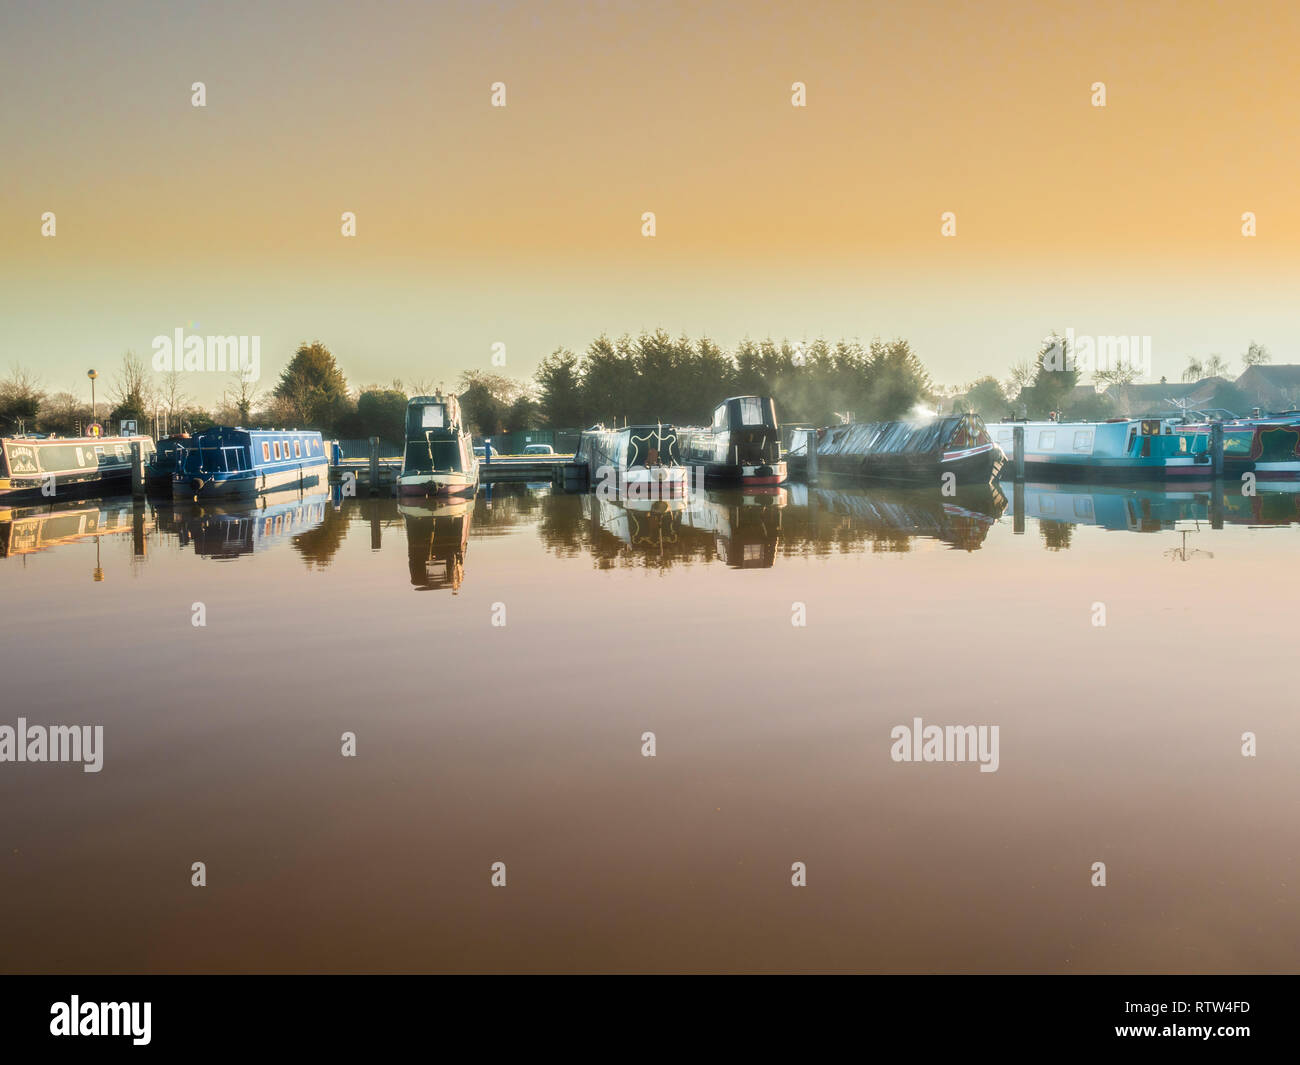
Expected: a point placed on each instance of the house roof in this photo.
(1280, 376)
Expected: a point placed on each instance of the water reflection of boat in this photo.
(890, 518)
(740, 528)
(1151, 510)
(25, 530)
(437, 538)
(229, 530)
(745, 525)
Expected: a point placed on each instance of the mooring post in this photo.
(811, 475)
(1216, 449)
(374, 465)
(1018, 443)
(137, 470)
(137, 530)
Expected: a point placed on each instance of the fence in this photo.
(360, 449)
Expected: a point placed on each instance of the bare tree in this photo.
(170, 395)
(1256, 355)
(132, 393)
(1019, 377)
(239, 397)
(1216, 366)
(1195, 370)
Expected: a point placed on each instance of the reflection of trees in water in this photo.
(319, 545)
(501, 507)
(1056, 534)
(561, 523)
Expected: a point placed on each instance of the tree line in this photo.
(648, 378)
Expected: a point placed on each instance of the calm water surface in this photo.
(521, 743)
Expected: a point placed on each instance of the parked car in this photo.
(539, 449)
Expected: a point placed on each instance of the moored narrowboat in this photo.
(166, 463)
(742, 446)
(1267, 446)
(920, 452)
(1122, 449)
(438, 458)
(66, 467)
(634, 462)
(231, 463)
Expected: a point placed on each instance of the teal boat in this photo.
(1123, 449)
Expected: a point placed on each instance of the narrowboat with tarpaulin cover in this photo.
(636, 461)
(1122, 449)
(1267, 446)
(438, 459)
(437, 538)
(228, 463)
(67, 467)
(918, 452)
(742, 446)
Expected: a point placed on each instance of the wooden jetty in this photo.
(378, 476)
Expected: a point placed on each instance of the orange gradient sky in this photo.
(522, 225)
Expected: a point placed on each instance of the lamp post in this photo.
(93, 412)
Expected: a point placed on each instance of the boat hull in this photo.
(249, 484)
(437, 485)
(771, 473)
(973, 466)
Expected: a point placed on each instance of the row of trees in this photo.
(311, 392)
(647, 378)
(656, 377)
(1048, 383)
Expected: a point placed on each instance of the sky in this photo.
(522, 225)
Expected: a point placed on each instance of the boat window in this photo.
(751, 411)
(720, 417)
(277, 449)
(1047, 439)
(1083, 440)
(1004, 436)
(266, 451)
(297, 450)
(432, 417)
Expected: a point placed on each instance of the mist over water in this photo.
(770, 642)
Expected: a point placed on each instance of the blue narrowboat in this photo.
(1123, 449)
(228, 463)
